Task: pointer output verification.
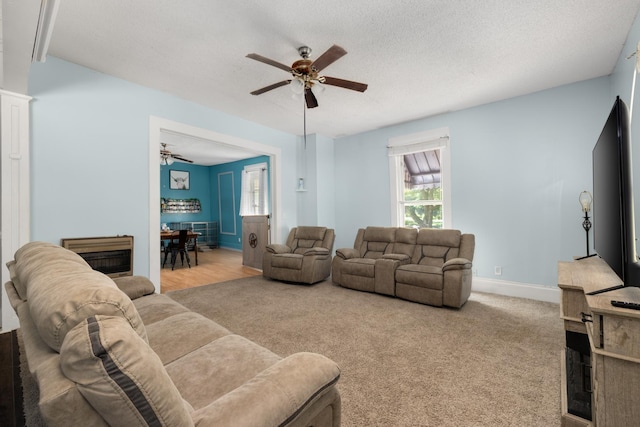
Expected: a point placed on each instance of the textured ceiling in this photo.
(419, 57)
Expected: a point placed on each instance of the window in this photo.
(254, 196)
(422, 190)
(420, 180)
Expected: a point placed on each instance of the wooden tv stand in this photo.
(613, 349)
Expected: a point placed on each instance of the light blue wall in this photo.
(518, 167)
(90, 153)
(316, 204)
(199, 188)
(326, 183)
(230, 224)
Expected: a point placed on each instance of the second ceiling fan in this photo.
(305, 73)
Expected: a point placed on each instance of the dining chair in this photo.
(178, 244)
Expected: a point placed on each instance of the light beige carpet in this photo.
(495, 362)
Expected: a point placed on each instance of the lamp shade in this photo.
(585, 201)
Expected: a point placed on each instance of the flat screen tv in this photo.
(613, 210)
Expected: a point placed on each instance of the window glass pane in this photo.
(254, 192)
(423, 216)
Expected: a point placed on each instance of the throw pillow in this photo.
(120, 375)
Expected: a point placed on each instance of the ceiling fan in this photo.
(305, 73)
(167, 157)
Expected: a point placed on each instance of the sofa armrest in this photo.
(457, 264)
(348, 253)
(384, 281)
(135, 286)
(276, 248)
(316, 251)
(275, 396)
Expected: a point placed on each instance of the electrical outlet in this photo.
(238, 240)
(497, 270)
(474, 272)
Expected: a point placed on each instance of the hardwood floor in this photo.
(216, 265)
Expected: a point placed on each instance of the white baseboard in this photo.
(515, 289)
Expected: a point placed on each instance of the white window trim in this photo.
(244, 198)
(413, 143)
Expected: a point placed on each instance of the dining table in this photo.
(173, 234)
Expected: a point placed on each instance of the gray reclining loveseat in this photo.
(428, 266)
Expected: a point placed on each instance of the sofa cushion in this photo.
(119, 374)
(277, 395)
(238, 361)
(432, 255)
(303, 245)
(310, 233)
(423, 276)
(60, 300)
(435, 247)
(376, 241)
(405, 241)
(157, 307)
(439, 237)
(164, 334)
(63, 290)
(307, 237)
(26, 255)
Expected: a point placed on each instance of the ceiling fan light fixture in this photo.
(318, 89)
(166, 160)
(297, 86)
(306, 73)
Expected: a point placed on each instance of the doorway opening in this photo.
(158, 125)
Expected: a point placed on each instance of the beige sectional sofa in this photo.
(428, 266)
(106, 352)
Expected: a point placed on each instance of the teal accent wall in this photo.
(218, 188)
(199, 188)
(226, 185)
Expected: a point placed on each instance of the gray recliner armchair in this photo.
(304, 258)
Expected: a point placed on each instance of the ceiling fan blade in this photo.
(269, 62)
(178, 157)
(270, 87)
(310, 98)
(347, 84)
(332, 54)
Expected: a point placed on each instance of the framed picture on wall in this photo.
(179, 180)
